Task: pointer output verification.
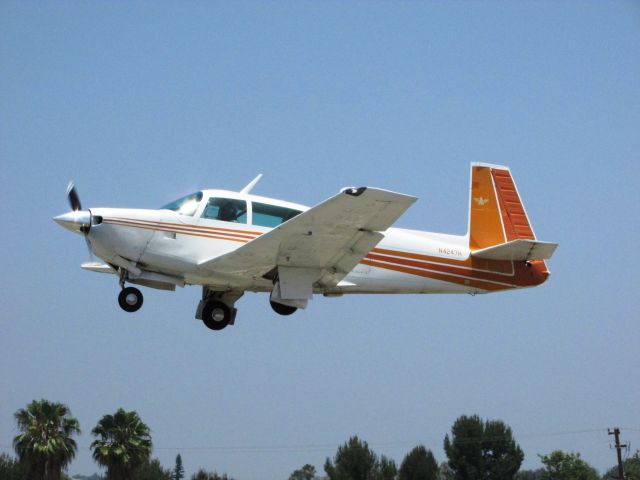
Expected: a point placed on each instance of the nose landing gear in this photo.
(130, 299)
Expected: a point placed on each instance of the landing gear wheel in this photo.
(282, 309)
(130, 299)
(216, 315)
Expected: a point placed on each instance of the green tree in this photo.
(559, 465)
(178, 470)
(480, 449)
(152, 470)
(445, 472)
(356, 461)
(10, 468)
(631, 469)
(202, 474)
(307, 472)
(45, 445)
(123, 444)
(387, 469)
(419, 464)
(530, 474)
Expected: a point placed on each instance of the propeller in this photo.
(74, 199)
(77, 220)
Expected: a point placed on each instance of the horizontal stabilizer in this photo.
(518, 250)
(97, 267)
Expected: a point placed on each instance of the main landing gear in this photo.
(216, 315)
(216, 309)
(282, 309)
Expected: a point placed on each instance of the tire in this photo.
(216, 315)
(281, 309)
(130, 299)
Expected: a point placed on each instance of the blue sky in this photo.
(142, 103)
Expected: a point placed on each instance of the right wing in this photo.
(327, 241)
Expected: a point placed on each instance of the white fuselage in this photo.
(169, 246)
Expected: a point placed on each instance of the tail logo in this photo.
(481, 201)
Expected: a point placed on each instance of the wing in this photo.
(325, 242)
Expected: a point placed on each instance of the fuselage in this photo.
(170, 245)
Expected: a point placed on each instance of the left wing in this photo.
(319, 246)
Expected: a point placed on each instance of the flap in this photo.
(518, 250)
(332, 236)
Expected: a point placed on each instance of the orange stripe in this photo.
(469, 282)
(186, 232)
(418, 256)
(520, 274)
(465, 271)
(199, 227)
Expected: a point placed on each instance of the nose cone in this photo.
(76, 221)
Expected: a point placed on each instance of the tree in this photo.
(419, 464)
(178, 470)
(387, 469)
(355, 461)
(202, 474)
(445, 472)
(123, 444)
(559, 465)
(631, 469)
(45, 445)
(10, 468)
(152, 470)
(481, 449)
(530, 474)
(307, 472)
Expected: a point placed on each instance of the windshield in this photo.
(185, 205)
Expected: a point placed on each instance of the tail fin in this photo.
(496, 213)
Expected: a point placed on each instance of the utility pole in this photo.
(616, 434)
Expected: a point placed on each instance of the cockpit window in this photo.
(226, 210)
(266, 215)
(185, 205)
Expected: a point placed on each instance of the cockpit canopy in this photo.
(186, 205)
(237, 210)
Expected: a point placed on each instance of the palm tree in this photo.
(44, 445)
(123, 444)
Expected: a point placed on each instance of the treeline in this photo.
(476, 449)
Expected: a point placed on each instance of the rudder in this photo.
(496, 212)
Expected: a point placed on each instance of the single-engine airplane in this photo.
(233, 242)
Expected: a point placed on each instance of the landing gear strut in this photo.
(130, 299)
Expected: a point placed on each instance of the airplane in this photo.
(233, 242)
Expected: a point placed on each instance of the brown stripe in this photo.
(468, 272)
(197, 227)
(438, 276)
(192, 234)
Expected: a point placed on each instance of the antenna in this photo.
(251, 184)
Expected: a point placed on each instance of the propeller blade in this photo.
(74, 199)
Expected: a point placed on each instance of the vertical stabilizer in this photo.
(496, 213)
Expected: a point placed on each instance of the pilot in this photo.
(228, 212)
